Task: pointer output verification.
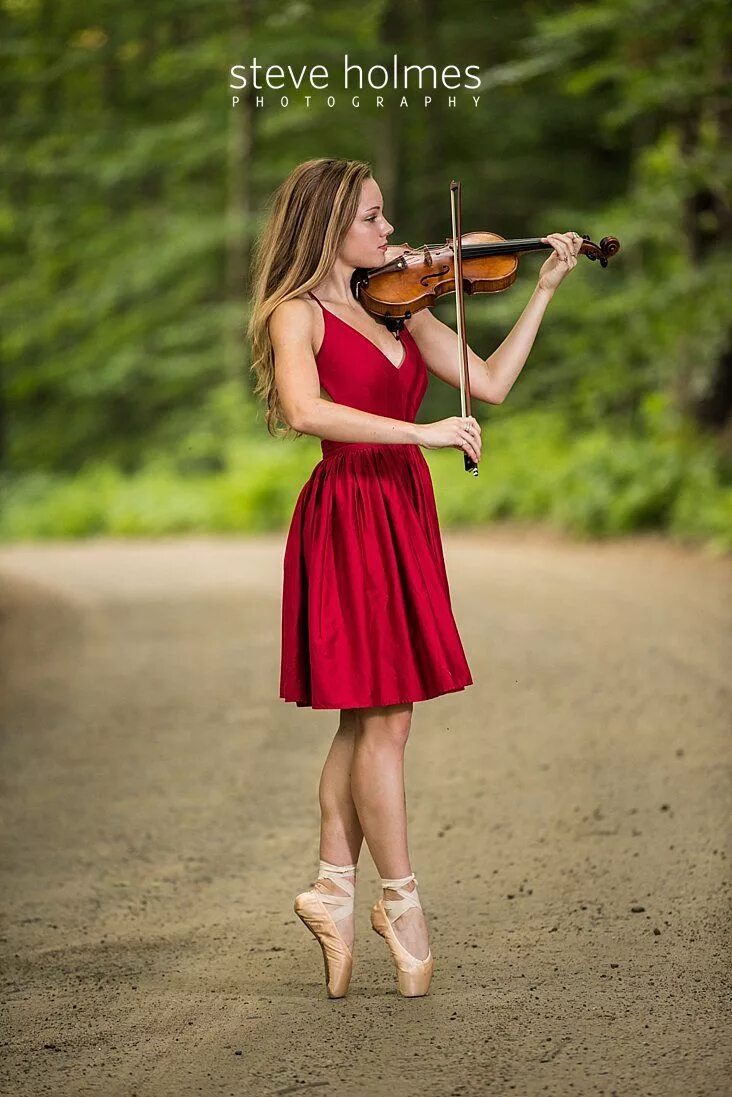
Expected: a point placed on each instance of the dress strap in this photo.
(315, 298)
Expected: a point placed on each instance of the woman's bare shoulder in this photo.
(294, 319)
(293, 306)
(296, 310)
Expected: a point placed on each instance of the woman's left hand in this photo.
(563, 259)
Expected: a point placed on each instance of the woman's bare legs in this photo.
(377, 789)
(340, 830)
(362, 793)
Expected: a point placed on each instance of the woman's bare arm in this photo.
(491, 379)
(298, 385)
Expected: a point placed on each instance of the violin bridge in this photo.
(427, 256)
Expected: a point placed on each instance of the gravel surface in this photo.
(569, 825)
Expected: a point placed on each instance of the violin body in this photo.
(417, 277)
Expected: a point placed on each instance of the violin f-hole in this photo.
(426, 278)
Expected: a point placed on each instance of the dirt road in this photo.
(569, 825)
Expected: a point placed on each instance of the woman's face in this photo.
(364, 243)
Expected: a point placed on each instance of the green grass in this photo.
(535, 468)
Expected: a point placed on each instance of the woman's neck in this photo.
(336, 288)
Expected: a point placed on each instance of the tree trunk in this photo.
(240, 208)
(707, 219)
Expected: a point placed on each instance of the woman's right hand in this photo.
(462, 432)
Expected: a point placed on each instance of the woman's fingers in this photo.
(466, 443)
(469, 432)
(562, 244)
(576, 241)
(566, 246)
(466, 435)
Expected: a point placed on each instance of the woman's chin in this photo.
(370, 262)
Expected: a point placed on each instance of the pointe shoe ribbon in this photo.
(413, 975)
(320, 912)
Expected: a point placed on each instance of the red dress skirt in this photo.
(366, 614)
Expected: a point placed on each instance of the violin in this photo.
(474, 262)
(417, 277)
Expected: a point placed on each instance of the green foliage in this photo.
(133, 190)
(596, 483)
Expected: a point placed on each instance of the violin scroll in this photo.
(608, 246)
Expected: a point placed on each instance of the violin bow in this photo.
(463, 370)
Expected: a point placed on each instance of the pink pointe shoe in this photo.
(413, 976)
(311, 908)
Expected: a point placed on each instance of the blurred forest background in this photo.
(132, 193)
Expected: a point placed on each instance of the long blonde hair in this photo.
(308, 216)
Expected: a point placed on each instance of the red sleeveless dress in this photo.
(366, 614)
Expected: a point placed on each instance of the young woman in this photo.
(367, 624)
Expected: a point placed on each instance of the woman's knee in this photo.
(348, 722)
(389, 725)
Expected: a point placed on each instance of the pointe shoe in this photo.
(311, 907)
(413, 975)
